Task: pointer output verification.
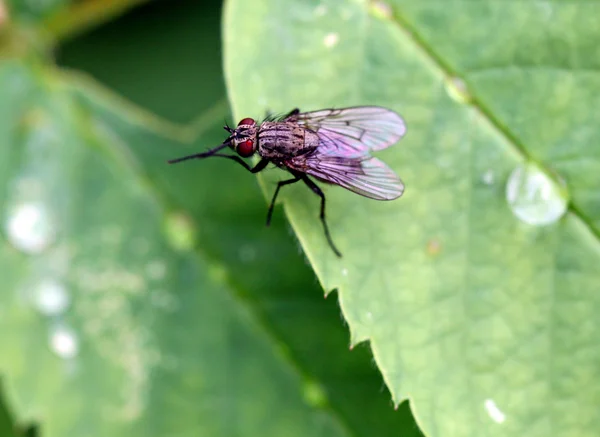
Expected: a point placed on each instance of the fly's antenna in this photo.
(206, 154)
(227, 128)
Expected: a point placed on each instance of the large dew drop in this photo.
(30, 227)
(534, 197)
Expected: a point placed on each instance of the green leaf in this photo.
(113, 330)
(483, 321)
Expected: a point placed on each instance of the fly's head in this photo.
(243, 137)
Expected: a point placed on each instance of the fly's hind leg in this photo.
(315, 189)
(279, 185)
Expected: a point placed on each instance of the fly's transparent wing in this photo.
(366, 176)
(353, 131)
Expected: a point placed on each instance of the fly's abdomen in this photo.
(281, 140)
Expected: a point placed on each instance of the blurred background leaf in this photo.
(480, 308)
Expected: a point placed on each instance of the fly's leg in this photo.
(258, 167)
(279, 185)
(315, 189)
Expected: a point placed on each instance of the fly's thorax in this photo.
(283, 140)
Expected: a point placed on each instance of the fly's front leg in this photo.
(279, 185)
(315, 189)
(258, 167)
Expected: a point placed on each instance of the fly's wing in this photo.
(366, 175)
(353, 131)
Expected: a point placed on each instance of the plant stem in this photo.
(82, 16)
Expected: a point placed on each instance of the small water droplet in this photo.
(488, 177)
(344, 272)
(494, 412)
(331, 39)
(64, 342)
(51, 297)
(457, 90)
(369, 316)
(534, 197)
(30, 227)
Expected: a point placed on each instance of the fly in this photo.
(331, 145)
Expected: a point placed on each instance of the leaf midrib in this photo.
(511, 139)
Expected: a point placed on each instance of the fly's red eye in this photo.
(246, 148)
(249, 121)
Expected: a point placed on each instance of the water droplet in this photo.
(344, 272)
(488, 177)
(331, 39)
(51, 297)
(64, 342)
(369, 316)
(495, 413)
(30, 227)
(381, 9)
(156, 270)
(457, 90)
(534, 197)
